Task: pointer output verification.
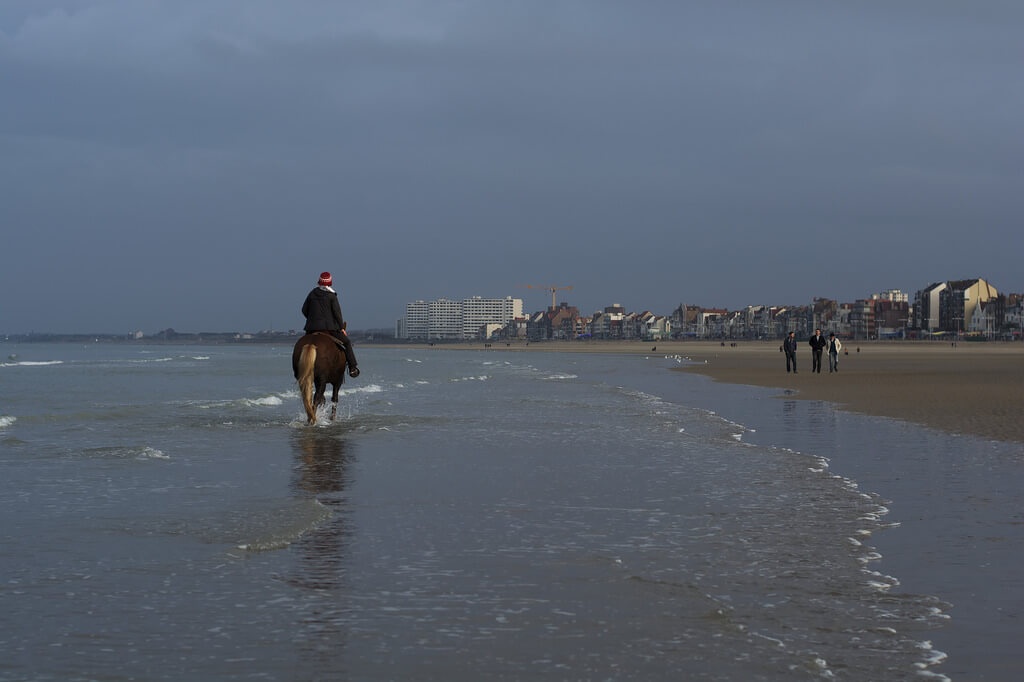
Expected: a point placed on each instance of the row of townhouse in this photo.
(564, 322)
(972, 307)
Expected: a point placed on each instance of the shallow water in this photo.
(470, 516)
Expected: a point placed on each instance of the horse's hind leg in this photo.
(334, 401)
(319, 399)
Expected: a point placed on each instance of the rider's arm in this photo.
(336, 311)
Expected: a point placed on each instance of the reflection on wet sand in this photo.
(321, 465)
(321, 471)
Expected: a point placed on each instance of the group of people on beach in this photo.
(818, 344)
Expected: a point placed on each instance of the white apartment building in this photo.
(894, 295)
(417, 320)
(445, 319)
(442, 319)
(477, 312)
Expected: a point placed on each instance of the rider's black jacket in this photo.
(322, 311)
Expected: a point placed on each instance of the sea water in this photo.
(168, 514)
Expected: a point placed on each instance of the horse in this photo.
(317, 360)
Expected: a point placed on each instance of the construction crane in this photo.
(550, 288)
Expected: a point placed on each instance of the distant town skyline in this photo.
(969, 306)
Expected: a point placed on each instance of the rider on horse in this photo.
(323, 314)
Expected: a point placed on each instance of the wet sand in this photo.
(974, 388)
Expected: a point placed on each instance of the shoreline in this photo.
(972, 388)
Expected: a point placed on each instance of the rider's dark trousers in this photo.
(350, 356)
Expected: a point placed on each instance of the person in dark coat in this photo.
(789, 345)
(817, 344)
(323, 314)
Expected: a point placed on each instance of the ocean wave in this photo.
(6, 421)
(271, 400)
(372, 388)
(31, 363)
(555, 377)
(266, 401)
(126, 452)
(286, 527)
(152, 453)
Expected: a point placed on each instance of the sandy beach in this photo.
(973, 388)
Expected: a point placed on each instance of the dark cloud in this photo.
(196, 164)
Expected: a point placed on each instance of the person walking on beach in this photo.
(789, 345)
(323, 314)
(834, 346)
(817, 344)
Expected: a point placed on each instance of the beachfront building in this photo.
(447, 320)
(710, 323)
(683, 321)
(607, 323)
(796, 319)
(478, 311)
(926, 307)
(892, 295)
(892, 317)
(960, 300)
(862, 319)
(417, 321)
(825, 315)
(758, 322)
(1013, 316)
(651, 327)
(562, 321)
(988, 318)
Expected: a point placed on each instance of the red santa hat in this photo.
(325, 279)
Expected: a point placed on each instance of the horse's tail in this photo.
(307, 361)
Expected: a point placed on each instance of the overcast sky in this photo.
(196, 163)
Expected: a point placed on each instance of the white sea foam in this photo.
(932, 657)
(151, 453)
(267, 401)
(6, 421)
(31, 363)
(560, 376)
(372, 388)
(125, 452)
(200, 357)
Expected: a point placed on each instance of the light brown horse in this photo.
(317, 361)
